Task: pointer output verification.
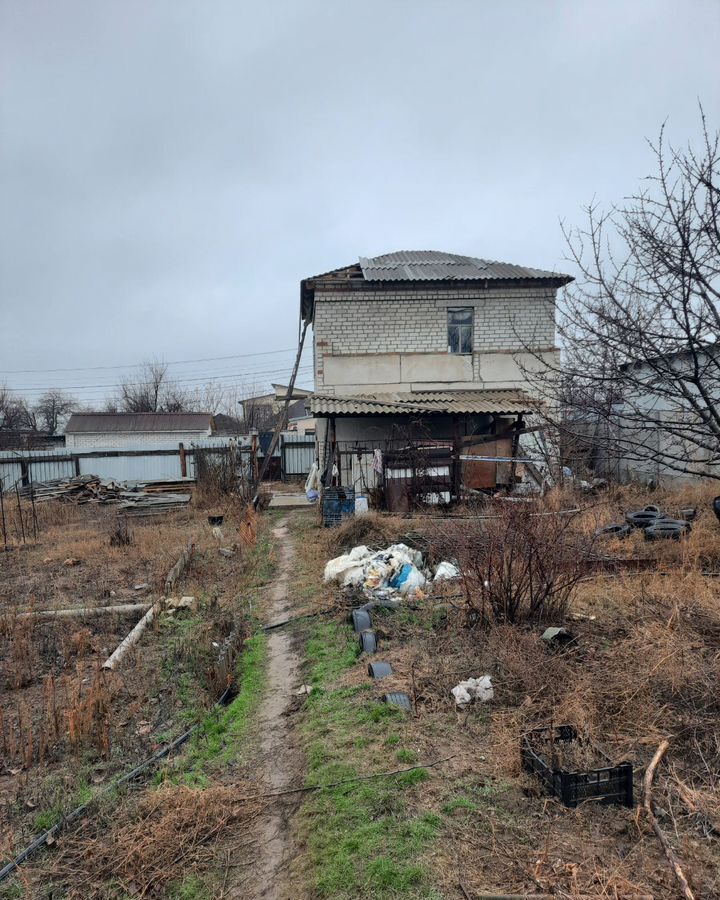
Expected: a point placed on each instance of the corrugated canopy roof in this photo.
(423, 402)
(102, 423)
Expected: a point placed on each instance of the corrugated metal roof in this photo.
(102, 423)
(499, 402)
(434, 265)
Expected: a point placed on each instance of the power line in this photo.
(112, 391)
(197, 378)
(177, 362)
(140, 377)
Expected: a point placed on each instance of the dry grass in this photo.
(148, 845)
(62, 719)
(645, 667)
(373, 530)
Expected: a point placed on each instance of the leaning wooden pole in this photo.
(283, 416)
(672, 859)
(174, 575)
(121, 650)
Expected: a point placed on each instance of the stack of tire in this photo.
(653, 523)
(657, 526)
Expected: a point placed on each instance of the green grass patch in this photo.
(459, 803)
(406, 756)
(364, 841)
(221, 737)
(191, 888)
(62, 805)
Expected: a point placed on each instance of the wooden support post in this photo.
(455, 474)
(281, 419)
(519, 424)
(2, 514)
(254, 454)
(20, 515)
(183, 460)
(77, 466)
(331, 454)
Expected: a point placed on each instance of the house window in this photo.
(460, 327)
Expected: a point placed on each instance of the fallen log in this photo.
(179, 568)
(117, 656)
(672, 859)
(81, 611)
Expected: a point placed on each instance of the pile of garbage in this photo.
(397, 569)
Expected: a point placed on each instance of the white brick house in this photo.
(117, 430)
(424, 334)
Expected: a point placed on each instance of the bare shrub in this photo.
(519, 567)
(219, 471)
(120, 534)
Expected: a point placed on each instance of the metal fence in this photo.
(167, 461)
(297, 454)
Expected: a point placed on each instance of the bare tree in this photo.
(151, 390)
(210, 397)
(640, 328)
(51, 409)
(15, 412)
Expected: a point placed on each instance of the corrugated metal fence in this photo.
(139, 463)
(297, 453)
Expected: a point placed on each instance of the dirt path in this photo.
(280, 760)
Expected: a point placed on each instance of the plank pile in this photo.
(133, 499)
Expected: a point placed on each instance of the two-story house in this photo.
(426, 344)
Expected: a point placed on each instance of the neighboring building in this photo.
(229, 426)
(428, 344)
(655, 433)
(117, 430)
(261, 412)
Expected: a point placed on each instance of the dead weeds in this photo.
(147, 845)
(645, 666)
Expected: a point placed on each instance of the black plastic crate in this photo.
(606, 784)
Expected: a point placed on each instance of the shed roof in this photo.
(103, 423)
(511, 402)
(425, 265)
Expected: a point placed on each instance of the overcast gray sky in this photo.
(171, 169)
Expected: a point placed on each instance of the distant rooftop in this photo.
(102, 422)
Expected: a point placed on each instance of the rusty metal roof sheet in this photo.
(103, 423)
(433, 265)
(422, 402)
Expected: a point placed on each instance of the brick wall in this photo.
(506, 319)
(134, 440)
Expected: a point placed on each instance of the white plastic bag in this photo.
(445, 571)
(473, 689)
(336, 568)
